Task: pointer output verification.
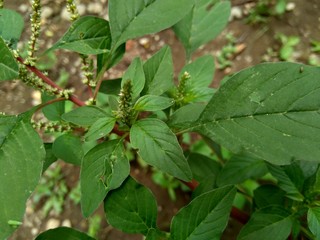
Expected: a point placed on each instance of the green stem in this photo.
(307, 233)
(99, 77)
(42, 105)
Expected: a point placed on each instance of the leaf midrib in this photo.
(129, 23)
(231, 118)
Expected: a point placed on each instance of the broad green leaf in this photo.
(182, 119)
(21, 157)
(53, 111)
(290, 179)
(314, 221)
(205, 216)
(311, 181)
(110, 59)
(202, 167)
(140, 17)
(111, 86)
(131, 208)
(207, 184)
(50, 157)
(100, 128)
(308, 169)
(64, 233)
(267, 195)
(159, 72)
(204, 170)
(159, 147)
(201, 72)
(103, 168)
(11, 26)
(317, 181)
(135, 74)
(84, 116)
(153, 103)
(193, 30)
(9, 68)
(155, 234)
(269, 223)
(240, 168)
(270, 110)
(87, 35)
(68, 148)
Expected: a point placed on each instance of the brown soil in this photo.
(303, 21)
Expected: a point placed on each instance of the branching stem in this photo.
(48, 81)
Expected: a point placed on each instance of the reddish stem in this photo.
(192, 185)
(239, 215)
(48, 81)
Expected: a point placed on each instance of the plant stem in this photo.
(307, 233)
(48, 81)
(42, 105)
(99, 79)
(239, 215)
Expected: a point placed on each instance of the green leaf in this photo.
(131, 208)
(21, 157)
(201, 72)
(308, 169)
(314, 221)
(53, 111)
(11, 26)
(153, 103)
(9, 68)
(202, 167)
(159, 147)
(290, 179)
(193, 30)
(111, 86)
(159, 72)
(64, 233)
(205, 171)
(50, 157)
(87, 35)
(269, 223)
(100, 128)
(182, 119)
(155, 234)
(136, 75)
(267, 195)
(110, 59)
(317, 181)
(140, 17)
(103, 168)
(270, 110)
(84, 116)
(68, 148)
(240, 168)
(205, 216)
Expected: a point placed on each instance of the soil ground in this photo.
(302, 21)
